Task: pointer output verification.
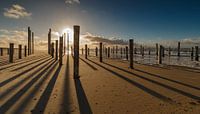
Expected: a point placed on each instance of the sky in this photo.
(142, 20)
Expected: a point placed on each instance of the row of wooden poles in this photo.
(10, 50)
(159, 52)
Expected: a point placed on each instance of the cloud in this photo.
(95, 40)
(72, 1)
(19, 37)
(16, 12)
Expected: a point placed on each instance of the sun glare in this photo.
(68, 32)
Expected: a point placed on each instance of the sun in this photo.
(69, 33)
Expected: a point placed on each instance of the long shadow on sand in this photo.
(94, 68)
(26, 100)
(161, 84)
(153, 75)
(6, 106)
(147, 90)
(22, 73)
(82, 98)
(42, 103)
(21, 62)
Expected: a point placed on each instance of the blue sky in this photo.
(140, 19)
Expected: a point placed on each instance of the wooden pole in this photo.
(64, 43)
(25, 51)
(11, 51)
(100, 47)
(108, 52)
(1, 51)
(163, 51)
(116, 51)
(179, 49)
(67, 43)
(126, 52)
(96, 51)
(29, 41)
(86, 51)
(169, 51)
(131, 52)
(33, 43)
(76, 51)
(121, 52)
(61, 50)
(20, 52)
(52, 50)
(196, 53)
(49, 42)
(160, 55)
(192, 53)
(157, 49)
(56, 49)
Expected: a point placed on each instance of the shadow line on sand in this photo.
(94, 68)
(22, 73)
(84, 105)
(6, 106)
(42, 103)
(145, 89)
(20, 108)
(161, 84)
(153, 75)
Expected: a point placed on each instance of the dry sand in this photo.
(37, 84)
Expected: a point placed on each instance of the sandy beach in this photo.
(37, 84)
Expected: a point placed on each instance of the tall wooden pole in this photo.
(192, 53)
(156, 49)
(179, 49)
(108, 52)
(76, 51)
(96, 51)
(11, 51)
(61, 50)
(49, 42)
(131, 52)
(100, 55)
(56, 49)
(29, 41)
(86, 51)
(33, 43)
(64, 43)
(20, 52)
(25, 51)
(196, 53)
(160, 55)
(52, 50)
(1, 51)
(126, 52)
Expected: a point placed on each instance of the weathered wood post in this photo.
(169, 51)
(135, 50)
(179, 49)
(86, 51)
(20, 52)
(96, 51)
(121, 52)
(163, 51)
(157, 49)
(100, 47)
(142, 51)
(61, 50)
(32, 42)
(196, 53)
(126, 52)
(131, 52)
(149, 51)
(11, 50)
(76, 51)
(1, 51)
(82, 51)
(116, 51)
(52, 50)
(192, 53)
(160, 55)
(108, 52)
(49, 42)
(25, 51)
(64, 43)
(56, 49)
(29, 41)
